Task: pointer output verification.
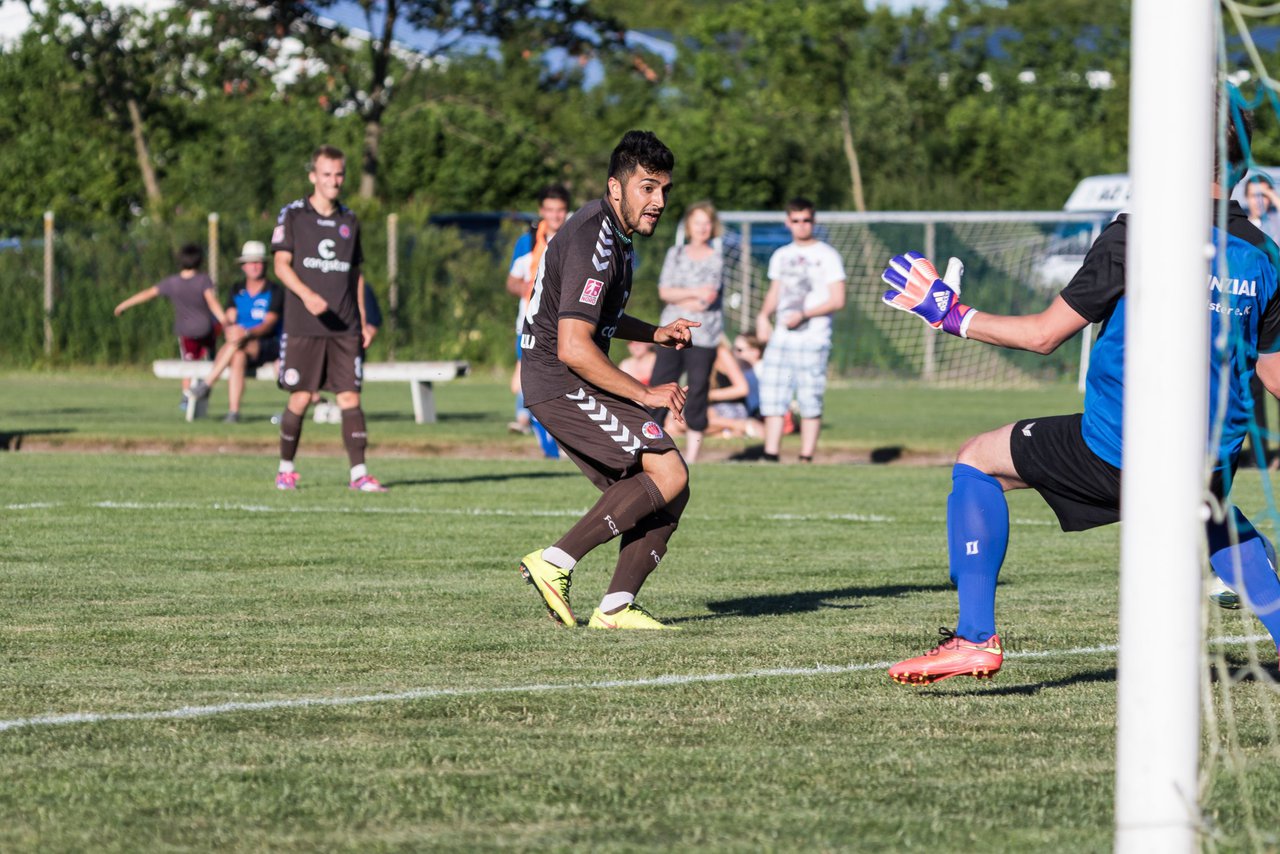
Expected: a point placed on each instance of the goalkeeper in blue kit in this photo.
(1074, 461)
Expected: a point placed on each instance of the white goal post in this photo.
(1166, 405)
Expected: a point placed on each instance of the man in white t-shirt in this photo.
(806, 287)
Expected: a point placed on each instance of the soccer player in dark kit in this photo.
(317, 258)
(598, 414)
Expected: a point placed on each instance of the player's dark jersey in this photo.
(252, 309)
(327, 258)
(585, 273)
(1245, 298)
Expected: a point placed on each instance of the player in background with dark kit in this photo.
(599, 415)
(317, 258)
(1074, 461)
(195, 309)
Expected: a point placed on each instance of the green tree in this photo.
(366, 79)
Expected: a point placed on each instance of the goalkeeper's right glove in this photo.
(915, 287)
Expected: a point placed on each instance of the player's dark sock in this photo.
(977, 536)
(290, 433)
(769, 458)
(618, 510)
(805, 459)
(1249, 569)
(644, 546)
(354, 435)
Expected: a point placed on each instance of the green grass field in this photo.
(413, 696)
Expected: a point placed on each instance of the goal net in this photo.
(1015, 263)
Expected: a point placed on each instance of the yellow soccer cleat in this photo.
(552, 584)
(630, 617)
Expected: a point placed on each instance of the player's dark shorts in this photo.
(315, 363)
(603, 434)
(1050, 455)
(197, 349)
(268, 351)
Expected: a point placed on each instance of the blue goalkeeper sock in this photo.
(1249, 569)
(977, 536)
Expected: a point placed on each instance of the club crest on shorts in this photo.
(291, 376)
(651, 430)
(591, 291)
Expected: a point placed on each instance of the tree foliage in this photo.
(980, 105)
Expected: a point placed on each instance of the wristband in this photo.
(956, 320)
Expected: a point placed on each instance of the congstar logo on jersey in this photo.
(328, 262)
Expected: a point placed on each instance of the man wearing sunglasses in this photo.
(806, 287)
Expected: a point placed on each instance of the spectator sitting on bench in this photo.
(252, 333)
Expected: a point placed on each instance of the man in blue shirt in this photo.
(1074, 461)
(253, 331)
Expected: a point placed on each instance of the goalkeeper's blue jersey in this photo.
(1244, 298)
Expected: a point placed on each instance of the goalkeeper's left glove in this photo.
(915, 287)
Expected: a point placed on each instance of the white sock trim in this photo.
(559, 558)
(286, 467)
(359, 471)
(614, 601)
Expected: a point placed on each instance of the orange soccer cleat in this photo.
(955, 656)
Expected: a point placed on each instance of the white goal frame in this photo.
(1165, 417)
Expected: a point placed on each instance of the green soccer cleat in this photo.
(1222, 595)
(552, 584)
(630, 617)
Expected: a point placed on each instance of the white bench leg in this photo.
(424, 402)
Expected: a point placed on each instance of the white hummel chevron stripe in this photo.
(597, 412)
(599, 248)
(600, 266)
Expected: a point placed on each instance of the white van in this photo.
(1104, 195)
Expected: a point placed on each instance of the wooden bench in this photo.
(421, 377)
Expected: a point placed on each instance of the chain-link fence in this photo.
(446, 301)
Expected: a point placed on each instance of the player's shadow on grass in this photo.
(1238, 670)
(13, 441)
(1107, 674)
(810, 600)
(482, 478)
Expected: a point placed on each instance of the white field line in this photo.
(675, 679)
(431, 693)
(864, 518)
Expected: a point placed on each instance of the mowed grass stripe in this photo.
(866, 518)
(674, 679)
